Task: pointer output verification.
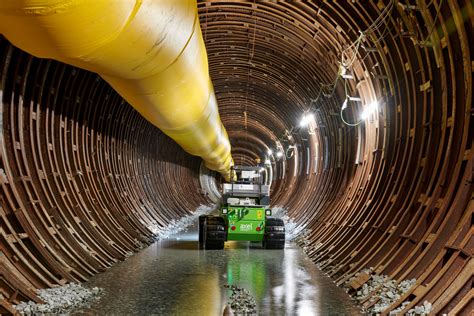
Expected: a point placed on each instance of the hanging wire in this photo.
(347, 123)
(372, 29)
(290, 152)
(343, 108)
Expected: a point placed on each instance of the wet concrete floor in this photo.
(174, 277)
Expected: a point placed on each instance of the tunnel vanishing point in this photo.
(379, 170)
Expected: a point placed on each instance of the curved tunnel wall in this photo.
(86, 179)
(395, 192)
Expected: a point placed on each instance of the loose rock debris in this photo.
(293, 230)
(382, 291)
(424, 309)
(60, 299)
(182, 224)
(241, 301)
(66, 298)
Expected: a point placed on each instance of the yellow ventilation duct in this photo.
(151, 52)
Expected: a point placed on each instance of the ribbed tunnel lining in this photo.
(86, 179)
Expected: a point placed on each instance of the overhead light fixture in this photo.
(270, 151)
(279, 154)
(268, 162)
(371, 108)
(306, 119)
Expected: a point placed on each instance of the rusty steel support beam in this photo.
(406, 207)
(81, 184)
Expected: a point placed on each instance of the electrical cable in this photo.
(375, 26)
(347, 123)
(372, 28)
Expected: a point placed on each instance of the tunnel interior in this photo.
(86, 180)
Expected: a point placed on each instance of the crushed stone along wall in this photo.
(395, 192)
(85, 179)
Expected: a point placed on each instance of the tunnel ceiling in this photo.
(85, 180)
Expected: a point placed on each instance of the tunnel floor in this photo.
(174, 277)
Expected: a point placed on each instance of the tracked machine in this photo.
(244, 213)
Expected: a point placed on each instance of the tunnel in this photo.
(361, 112)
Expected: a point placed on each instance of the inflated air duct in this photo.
(151, 52)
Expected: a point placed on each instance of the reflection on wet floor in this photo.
(174, 277)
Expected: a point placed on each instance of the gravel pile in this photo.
(310, 248)
(302, 240)
(64, 299)
(400, 309)
(180, 225)
(424, 309)
(383, 290)
(60, 299)
(321, 264)
(380, 289)
(367, 270)
(293, 230)
(241, 301)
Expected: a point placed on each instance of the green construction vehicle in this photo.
(244, 213)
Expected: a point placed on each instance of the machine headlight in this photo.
(224, 211)
(268, 212)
